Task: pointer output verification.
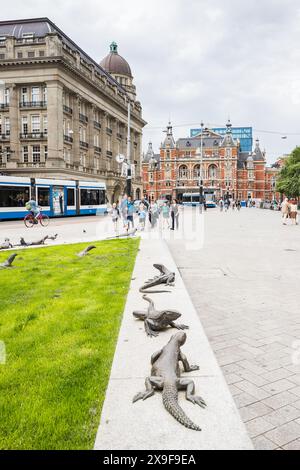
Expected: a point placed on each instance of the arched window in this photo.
(183, 172)
(212, 172)
(196, 171)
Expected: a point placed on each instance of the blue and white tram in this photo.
(56, 197)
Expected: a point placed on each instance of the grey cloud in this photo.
(196, 59)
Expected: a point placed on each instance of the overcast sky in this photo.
(195, 60)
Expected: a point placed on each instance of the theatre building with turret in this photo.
(208, 160)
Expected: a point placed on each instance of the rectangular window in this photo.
(35, 94)
(7, 151)
(45, 124)
(36, 154)
(0, 125)
(41, 53)
(25, 153)
(24, 125)
(70, 197)
(43, 197)
(35, 124)
(31, 54)
(92, 197)
(24, 95)
(20, 55)
(6, 96)
(108, 143)
(2, 56)
(7, 126)
(45, 96)
(46, 152)
(13, 196)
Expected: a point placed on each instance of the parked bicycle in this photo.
(30, 220)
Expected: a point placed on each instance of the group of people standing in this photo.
(289, 210)
(227, 203)
(145, 210)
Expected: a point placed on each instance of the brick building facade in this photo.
(217, 160)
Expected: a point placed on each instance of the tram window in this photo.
(71, 197)
(43, 197)
(92, 197)
(13, 196)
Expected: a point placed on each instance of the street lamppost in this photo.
(200, 170)
(128, 160)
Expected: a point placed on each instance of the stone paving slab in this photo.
(251, 312)
(146, 424)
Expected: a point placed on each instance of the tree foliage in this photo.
(288, 181)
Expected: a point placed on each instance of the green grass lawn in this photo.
(59, 318)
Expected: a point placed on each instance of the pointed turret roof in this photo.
(169, 141)
(228, 139)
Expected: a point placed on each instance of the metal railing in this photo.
(83, 144)
(33, 135)
(83, 118)
(33, 104)
(67, 109)
(97, 149)
(67, 138)
(97, 125)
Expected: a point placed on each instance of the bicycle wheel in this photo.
(44, 220)
(28, 221)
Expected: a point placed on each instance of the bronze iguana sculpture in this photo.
(165, 376)
(157, 320)
(8, 263)
(165, 277)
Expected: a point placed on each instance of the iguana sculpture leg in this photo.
(150, 383)
(149, 330)
(186, 366)
(190, 392)
(178, 326)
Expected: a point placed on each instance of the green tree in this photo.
(288, 181)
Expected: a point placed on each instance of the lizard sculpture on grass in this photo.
(165, 376)
(166, 277)
(157, 320)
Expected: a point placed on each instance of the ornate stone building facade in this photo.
(225, 171)
(61, 114)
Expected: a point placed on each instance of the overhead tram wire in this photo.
(261, 131)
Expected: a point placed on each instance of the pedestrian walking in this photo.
(115, 215)
(165, 215)
(238, 205)
(153, 213)
(285, 209)
(232, 204)
(174, 214)
(294, 212)
(142, 217)
(130, 212)
(221, 205)
(226, 205)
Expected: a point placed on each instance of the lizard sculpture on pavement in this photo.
(157, 320)
(166, 277)
(165, 376)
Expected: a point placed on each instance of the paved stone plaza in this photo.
(244, 283)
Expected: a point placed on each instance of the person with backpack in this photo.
(130, 212)
(33, 208)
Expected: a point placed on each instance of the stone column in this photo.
(75, 129)
(90, 135)
(114, 145)
(14, 125)
(55, 124)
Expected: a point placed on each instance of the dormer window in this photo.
(28, 36)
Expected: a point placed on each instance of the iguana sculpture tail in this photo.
(170, 401)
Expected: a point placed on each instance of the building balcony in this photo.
(83, 118)
(67, 109)
(4, 106)
(97, 149)
(33, 104)
(67, 138)
(108, 153)
(33, 135)
(5, 137)
(97, 125)
(120, 136)
(83, 144)
(108, 130)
